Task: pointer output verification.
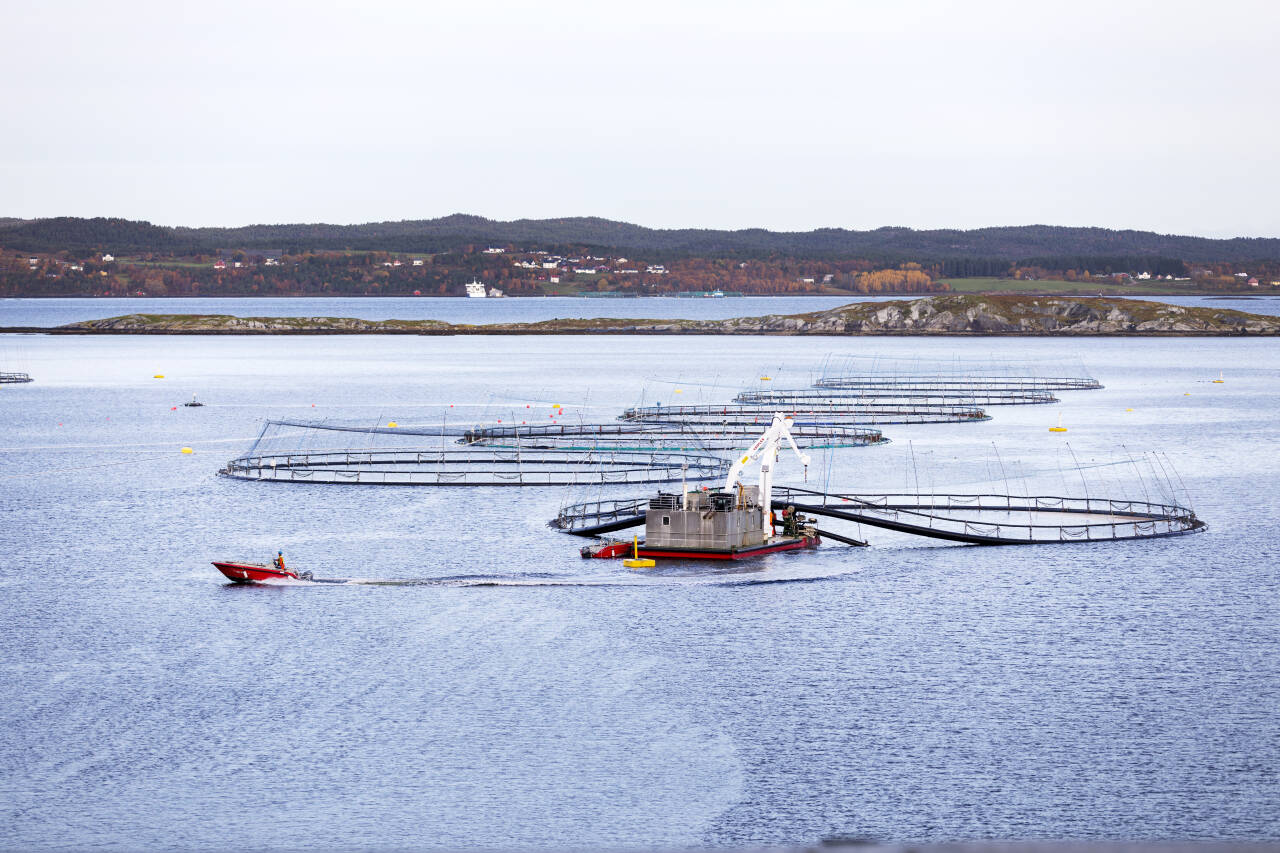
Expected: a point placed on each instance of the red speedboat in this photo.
(606, 550)
(255, 572)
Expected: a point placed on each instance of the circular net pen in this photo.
(1001, 519)
(693, 437)
(816, 413)
(905, 395)
(306, 452)
(931, 385)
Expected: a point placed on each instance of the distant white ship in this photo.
(476, 290)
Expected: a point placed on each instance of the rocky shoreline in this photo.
(950, 314)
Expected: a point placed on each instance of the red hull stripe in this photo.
(794, 545)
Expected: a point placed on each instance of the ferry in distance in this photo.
(477, 290)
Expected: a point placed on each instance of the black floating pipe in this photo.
(827, 534)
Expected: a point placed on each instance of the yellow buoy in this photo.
(187, 450)
(1128, 410)
(679, 391)
(635, 561)
(392, 424)
(159, 376)
(1186, 393)
(1059, 427)
(766, 378)
(555, 405)
(1219, 380)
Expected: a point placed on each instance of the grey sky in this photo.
(787, 115)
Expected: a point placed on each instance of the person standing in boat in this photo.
(279, 560)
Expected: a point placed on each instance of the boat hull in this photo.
(606, 550)
(733, 553)
(250, 573)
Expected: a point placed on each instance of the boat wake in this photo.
(673, 576)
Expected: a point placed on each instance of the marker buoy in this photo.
(392, 424)
(1059, 427)
(636, 561)
(188, 451)
(158, 376)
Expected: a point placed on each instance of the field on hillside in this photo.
(1091, 288)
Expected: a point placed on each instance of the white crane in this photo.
(766, 450)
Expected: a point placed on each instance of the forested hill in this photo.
(1016, 243)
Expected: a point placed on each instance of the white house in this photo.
(417, 262)
(106, 259)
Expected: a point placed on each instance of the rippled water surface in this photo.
(513, 695)
(57, 312)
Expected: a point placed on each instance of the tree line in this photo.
(888, 247)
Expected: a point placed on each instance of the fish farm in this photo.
(14, 378)
(690, 444)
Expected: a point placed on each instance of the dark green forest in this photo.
(979, 252)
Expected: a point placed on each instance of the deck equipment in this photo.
(734, 521)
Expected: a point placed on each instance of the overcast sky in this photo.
(785, 115)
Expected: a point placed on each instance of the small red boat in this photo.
(609, 550)
(255, 572)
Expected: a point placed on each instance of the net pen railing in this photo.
(1012, 517)
(657, 436)
(473, 468)
(965, 381)
(810, 413)
(800, 397)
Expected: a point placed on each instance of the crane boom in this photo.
(765, 449)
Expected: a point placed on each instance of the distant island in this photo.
(69, 256)
(964, 315)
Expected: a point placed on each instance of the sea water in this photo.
(505, 693)
(22, 312)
